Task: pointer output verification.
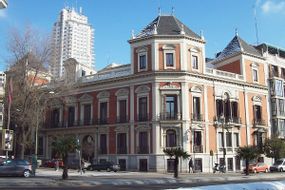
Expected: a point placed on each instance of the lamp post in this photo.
(37, 122)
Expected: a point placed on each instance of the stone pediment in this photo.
(196, 89)
(86, 97)
(70, 100)
(170, 87)
(124, 129)
(122, 92)
(142, 89)
(103, 94)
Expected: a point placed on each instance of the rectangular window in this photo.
(236, 140)
(87, 114)
(143, 142)
(171, 107)
(273, 107)
(169, 59)
(194, 62)
(219, 107)
(257, 112)
(122, 143)
(83, 73)
(229, 139)
(281, 131)
(143, 109)
(221, 137)
(55, 118)
(123, 110)
(197, 138)
(103, 143)
(281, 107)
(71, 115)
(196, 108)
(142, 61)
(278, 88)
(103, 112)
(255, 75)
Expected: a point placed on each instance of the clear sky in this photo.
(113, 21)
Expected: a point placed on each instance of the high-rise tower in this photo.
(73, 37)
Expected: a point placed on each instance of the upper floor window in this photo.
(142, 61)
(257, 112)
(83, 73)
(71, 116)
(170, 138)
(194, 62)
(103, 112)
(171, 107)
(196, 106)
(255, 75)
(123, 110)
(142, 109)
(169, 59)
(87, 114)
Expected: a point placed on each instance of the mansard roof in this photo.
(237, 45)
(167, 25)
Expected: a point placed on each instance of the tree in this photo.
(28, 73)
(248, 153)
(62, 146)
(274, 148)
(176, 153)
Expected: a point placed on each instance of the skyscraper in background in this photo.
(72, 37)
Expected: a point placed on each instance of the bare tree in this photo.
(29, 58)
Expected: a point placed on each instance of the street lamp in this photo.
(37, 120)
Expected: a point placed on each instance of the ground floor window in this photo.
(198, 165)
(230, 164)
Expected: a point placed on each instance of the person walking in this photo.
(190, 164)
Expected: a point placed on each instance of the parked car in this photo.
(258, 167)
(52, 163)
(109, 166)
(279, 165)
(15, 167)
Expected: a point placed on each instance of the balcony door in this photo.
(122, 143)
(122, 111)
(103, 112)
(87, 114)
(143, 142)
(171, 106)
(143, 109)
(71, 116)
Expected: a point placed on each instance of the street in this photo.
(50, 179)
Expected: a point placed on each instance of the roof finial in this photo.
(154, 29)
(202, 34)
(172, 10)
(159, 11)
(182, 29)
(236, 31)
(133, 34)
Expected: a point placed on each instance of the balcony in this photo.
(122, 150)
(197, 148)
(86, 122)
(122, 119)
(54, 125)
(169, 116)
(143, 150)
(227, 120)
(197, 117)
(259, 122)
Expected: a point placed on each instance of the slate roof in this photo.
(238, 45)
(166, 25)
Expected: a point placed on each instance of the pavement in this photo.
(48, 178)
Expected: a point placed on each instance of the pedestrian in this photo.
(56, 165)
(190, 164)
(34, 165)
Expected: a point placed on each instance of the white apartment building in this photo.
(73, 37)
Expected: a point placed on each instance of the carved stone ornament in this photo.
(104, 94)
(196, 89)
(70, 100)
(142, 89)
(170, 86)
(85, 97)
(256, 99)
(122, 92)
(122, 129)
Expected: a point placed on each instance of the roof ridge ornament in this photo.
(202, 35)
(236, 31)
(133, 34)
(182, 30)
(172, 11)
(159, 11)
(154, 29)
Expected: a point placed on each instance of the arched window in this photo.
(170, 138)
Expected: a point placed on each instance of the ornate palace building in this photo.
(168, 96)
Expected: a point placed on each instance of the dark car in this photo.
(109, 166)
(16, 167)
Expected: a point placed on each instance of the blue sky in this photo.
(113, 21)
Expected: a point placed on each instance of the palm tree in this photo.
(62, 146)
(176, 153)
(248, 153)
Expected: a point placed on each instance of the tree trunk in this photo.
(246, 167)
(22, 152)
(176, 167)
(65, 168)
